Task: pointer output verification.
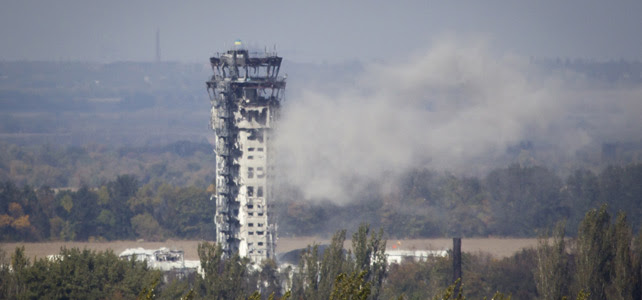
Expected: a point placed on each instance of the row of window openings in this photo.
(259, 243)
(252, 224)
(251, 206)
(251, 149)
(257, 233)
(250, 191)
(259, 172)
(251, 214)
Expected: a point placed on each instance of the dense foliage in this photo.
(333, 272)
(603, 262)
(179, 163)
(512, 201)
(73, 274)
(119, 209)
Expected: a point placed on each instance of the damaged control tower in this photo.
(245, 92)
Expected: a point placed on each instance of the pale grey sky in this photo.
(313, 31)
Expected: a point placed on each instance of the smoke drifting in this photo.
(456, 107)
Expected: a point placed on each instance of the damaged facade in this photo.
(171, 262)
(245, 93)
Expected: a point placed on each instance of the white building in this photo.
(398, 256)
(163, 259)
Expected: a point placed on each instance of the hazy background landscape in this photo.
(499, 122)
(389, 109)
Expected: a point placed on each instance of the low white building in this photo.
(397, 256)
(164, 259)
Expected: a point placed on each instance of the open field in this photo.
(47, 248)
(498, 247)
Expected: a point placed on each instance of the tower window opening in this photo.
(259, 191)
(250, 191)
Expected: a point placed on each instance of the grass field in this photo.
(498, 247)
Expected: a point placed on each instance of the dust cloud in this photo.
(457, 107)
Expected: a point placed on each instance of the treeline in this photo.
(180, 163)
(603, 262)
(73, 274)
(513, 201)
(76, 274)
(119, 209)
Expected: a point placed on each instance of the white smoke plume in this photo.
(455, 107)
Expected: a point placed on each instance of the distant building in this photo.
(245, 93)
(398, 256)
(166, 260)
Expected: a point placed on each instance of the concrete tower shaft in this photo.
(246, 93)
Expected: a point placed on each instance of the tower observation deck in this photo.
(245, 92)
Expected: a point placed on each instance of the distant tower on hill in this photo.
(245, 93)
(158, 49)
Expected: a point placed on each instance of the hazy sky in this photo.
(313, 31)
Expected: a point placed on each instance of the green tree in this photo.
(305, 282)
(147, 227)
(370, 257)
(524, 199)
(84, 213)
(594, 254)
(637, 264)
(334, 263)
(352, 287)
(6, 276)
(581, 192)
(623, 275)
(229, 278)
(552, 273)
(316, 275)
(414, 279)
(185, 212)
(269, 279)
(76, 274)
(19, 266)
(463, 198)
(120, 191)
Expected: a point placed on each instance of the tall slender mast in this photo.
(158, 49)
